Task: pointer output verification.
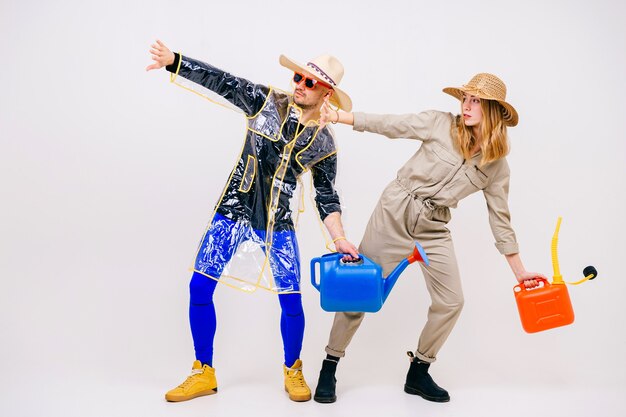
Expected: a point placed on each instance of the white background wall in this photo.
(108, 175)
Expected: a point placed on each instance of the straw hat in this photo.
(327, 69)
(489, 87)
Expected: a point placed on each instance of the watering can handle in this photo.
(313, 277)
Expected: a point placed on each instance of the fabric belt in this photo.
(426, 201)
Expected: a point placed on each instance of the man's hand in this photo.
(346, 247)
(335, 229)
(161, 56)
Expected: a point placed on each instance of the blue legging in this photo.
(204, 323)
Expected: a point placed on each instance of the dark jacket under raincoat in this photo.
(277, 150)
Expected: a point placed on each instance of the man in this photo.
(284, 139)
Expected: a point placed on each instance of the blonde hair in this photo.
(495, 142)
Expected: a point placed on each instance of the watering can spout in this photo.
(418, 255)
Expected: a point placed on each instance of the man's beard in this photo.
(299, 101)
(303, 106)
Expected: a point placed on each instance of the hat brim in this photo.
(509, 117)
(339, 97)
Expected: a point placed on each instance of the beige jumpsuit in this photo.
(416, 206)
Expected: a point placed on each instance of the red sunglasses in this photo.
(309, 83)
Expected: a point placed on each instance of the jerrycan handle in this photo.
(519, 287)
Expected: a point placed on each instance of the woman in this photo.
(459, 155)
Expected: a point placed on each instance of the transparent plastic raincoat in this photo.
(250, 242)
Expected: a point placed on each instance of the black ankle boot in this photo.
(325, 391)
(418, 382)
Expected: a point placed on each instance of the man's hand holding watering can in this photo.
(342, 245)
(346, 247)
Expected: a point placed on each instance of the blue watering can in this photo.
(359, 285)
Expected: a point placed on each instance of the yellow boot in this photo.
(201, 382)
(295, 385)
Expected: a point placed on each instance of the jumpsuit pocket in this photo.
(440, 162)
(478, 178)
(248, 175)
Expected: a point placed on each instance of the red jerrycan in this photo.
(544, 307)
(548, 305)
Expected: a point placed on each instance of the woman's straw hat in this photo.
(488, 87)
(327, 69)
